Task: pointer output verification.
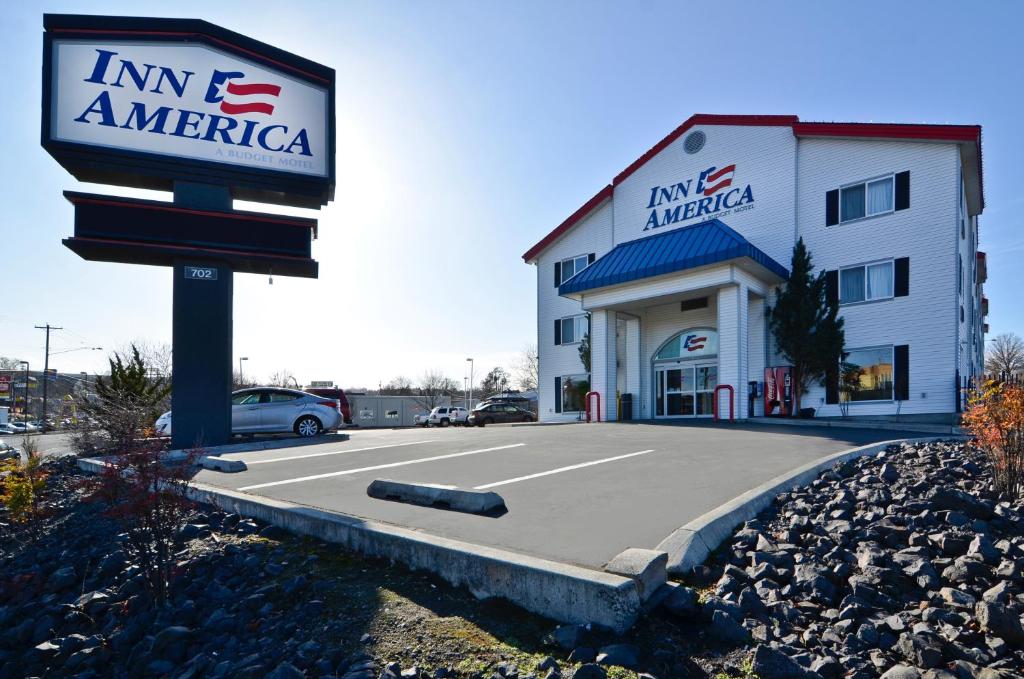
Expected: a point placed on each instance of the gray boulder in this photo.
(769, 663)
(998, 620)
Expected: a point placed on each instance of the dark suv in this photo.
(497, 413)
(338, 395)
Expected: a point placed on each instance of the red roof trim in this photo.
(946, 133)
(702, 119)
(601, 196)
(890, 131)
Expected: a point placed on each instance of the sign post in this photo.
(186, 106)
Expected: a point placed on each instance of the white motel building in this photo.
(671, 266)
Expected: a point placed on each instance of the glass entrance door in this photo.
(685, 390)
(707, 380)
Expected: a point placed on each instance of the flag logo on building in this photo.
(710, 176)
(244, 97)
(694, 343)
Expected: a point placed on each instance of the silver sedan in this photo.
(266, 410)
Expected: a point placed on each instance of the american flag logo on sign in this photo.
(245, 97)
(712, 175)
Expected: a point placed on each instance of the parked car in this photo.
(442, 416)
(265, 410)
(21, 427)
(337, 395)
(513, 397)
(8, 452)
(421, 419)
(496, 413)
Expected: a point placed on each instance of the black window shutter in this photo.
(832, 286)
(832, 386)
(901, 372)
(558, 331)
(558, 274)
(558, 394)
(590, 258)
(901, 284)
(832, 207)
(902, 190)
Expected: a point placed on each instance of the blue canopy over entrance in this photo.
(709, 242)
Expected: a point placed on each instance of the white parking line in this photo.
(378, 466)
(335, 452)
(560, 470)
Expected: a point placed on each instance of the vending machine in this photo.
(778, 391)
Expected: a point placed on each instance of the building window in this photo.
(573, 265)
(866, 282)
(574, 392)
(866, 199)
(868, 374)
(574, 328)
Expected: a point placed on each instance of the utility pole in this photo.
(46, 366)
(24, 412)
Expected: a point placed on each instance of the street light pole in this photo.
(470, 382)
(241, 382)
(46, 366)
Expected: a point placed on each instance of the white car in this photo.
(7, 451)
(265, 410)
(442, 416)
(421, 419)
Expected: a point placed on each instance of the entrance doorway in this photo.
(685, 389)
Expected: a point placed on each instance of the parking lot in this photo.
(577, 494)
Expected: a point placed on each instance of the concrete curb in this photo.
(946, 429)
(564, 592)
(690, 545)
(252, 446)
(432, 495)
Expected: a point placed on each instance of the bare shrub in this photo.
(147, 494)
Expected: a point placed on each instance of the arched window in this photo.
(692, 343)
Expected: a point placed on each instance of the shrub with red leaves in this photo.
(147, 494)
(995, 417)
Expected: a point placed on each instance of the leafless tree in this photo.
(157, 356)
(1005, 355)
(434, 388)
(10, 363)
(526, 368)
(241, 381)
(398, 386)
(284, 378)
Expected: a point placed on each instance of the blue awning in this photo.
(709, 242)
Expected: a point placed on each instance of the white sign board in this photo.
(190, 101)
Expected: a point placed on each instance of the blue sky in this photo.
(467, 130)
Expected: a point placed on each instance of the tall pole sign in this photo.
(185, 106)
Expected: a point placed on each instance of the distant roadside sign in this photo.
(321, 384)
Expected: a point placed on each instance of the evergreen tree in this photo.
(131, 384)
(584, 350)
(808, 332)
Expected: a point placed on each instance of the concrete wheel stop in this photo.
(222, 465)
(438, 496)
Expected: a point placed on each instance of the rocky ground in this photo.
(899, 565)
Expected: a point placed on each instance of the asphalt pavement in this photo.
(577, 493)
(53, 444)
